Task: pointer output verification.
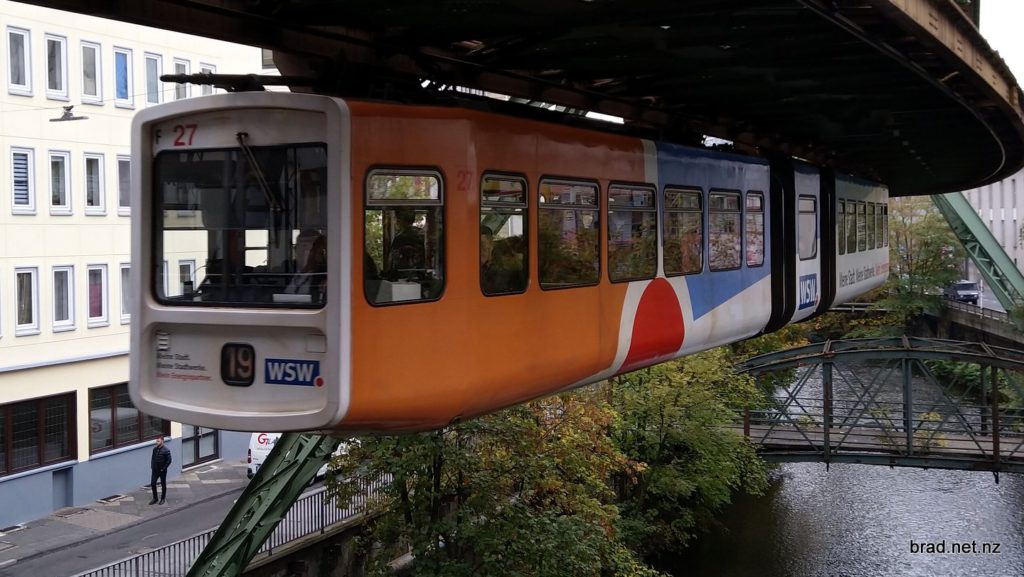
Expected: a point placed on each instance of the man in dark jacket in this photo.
(158, 464)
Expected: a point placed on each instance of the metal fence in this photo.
(998, 316)
(313, 513)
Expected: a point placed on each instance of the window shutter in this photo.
(20, 171)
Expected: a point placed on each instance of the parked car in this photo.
(965, 291)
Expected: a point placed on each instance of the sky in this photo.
(1002, 24)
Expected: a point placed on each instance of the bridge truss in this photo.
(909, 402)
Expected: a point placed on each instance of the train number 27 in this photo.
(182, 131)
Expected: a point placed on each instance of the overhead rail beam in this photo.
(906, 92)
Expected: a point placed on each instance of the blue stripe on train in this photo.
(707, 169)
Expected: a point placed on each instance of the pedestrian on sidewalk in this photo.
(158, 464)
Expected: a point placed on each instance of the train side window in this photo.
(754, 230)
(879, 226)
(724, 230)
(503, 247)
(568, 249)
(885, 225)
(841, 224)
(862, 226)
(683, 236)
(851, 227)
(632, 233)
(871, 225)
(807, 227)
(403, 230)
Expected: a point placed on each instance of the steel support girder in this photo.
(998, 269)
(289, 468)
(894, 461)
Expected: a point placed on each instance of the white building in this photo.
(68, 431)
(997, 205)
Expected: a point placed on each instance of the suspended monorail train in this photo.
(305, 262)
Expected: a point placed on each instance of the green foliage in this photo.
(924, 257)
(520, 492)
(673, 418)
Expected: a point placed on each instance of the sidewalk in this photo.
(75, 525)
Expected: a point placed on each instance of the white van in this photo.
(260, 445)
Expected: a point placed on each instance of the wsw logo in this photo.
(292, 372)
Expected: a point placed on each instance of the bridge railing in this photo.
(830, 428)
(313, 513)
(998, 316)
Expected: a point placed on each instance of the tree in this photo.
(520, 492)
(674, 419)
(924, 257)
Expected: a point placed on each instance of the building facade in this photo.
(997, 205)
(69, 433)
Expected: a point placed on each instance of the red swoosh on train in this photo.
(657, 328)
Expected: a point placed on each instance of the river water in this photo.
(868, 521)
(864, 521)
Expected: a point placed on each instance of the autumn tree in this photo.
(674, 419)
(520, 492)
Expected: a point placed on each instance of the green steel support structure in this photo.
(998, 270)
(288, 469)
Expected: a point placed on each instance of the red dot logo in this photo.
(319, 381)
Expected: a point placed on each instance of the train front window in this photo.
(253, 218)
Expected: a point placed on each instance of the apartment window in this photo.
(94, 197)
(60, 195)
(207, 89)
(63, 298)
(26, 283)
(503, 251)
(181, 88)
(569, 253)
(123, 78)
(684, 232)
(19, 76)
(723, 230)
(97, 276)
(92, 79)
(126, 293)
(403, 224)
(186, 276)
(22, 186)
(124, 185)
(115, 422)
(56, 67)
(154, 62)
(36, 433)
(632, 233)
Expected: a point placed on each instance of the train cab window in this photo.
(632, 233)
(862, 226)
(841, 226)
(568, 249)
(254, 216)
(403, 260)
(724, 230)
(503, 248)
(807, 227)
(683, 236)
(851, 227)
(754, 228)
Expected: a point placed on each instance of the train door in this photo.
(807, 187)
